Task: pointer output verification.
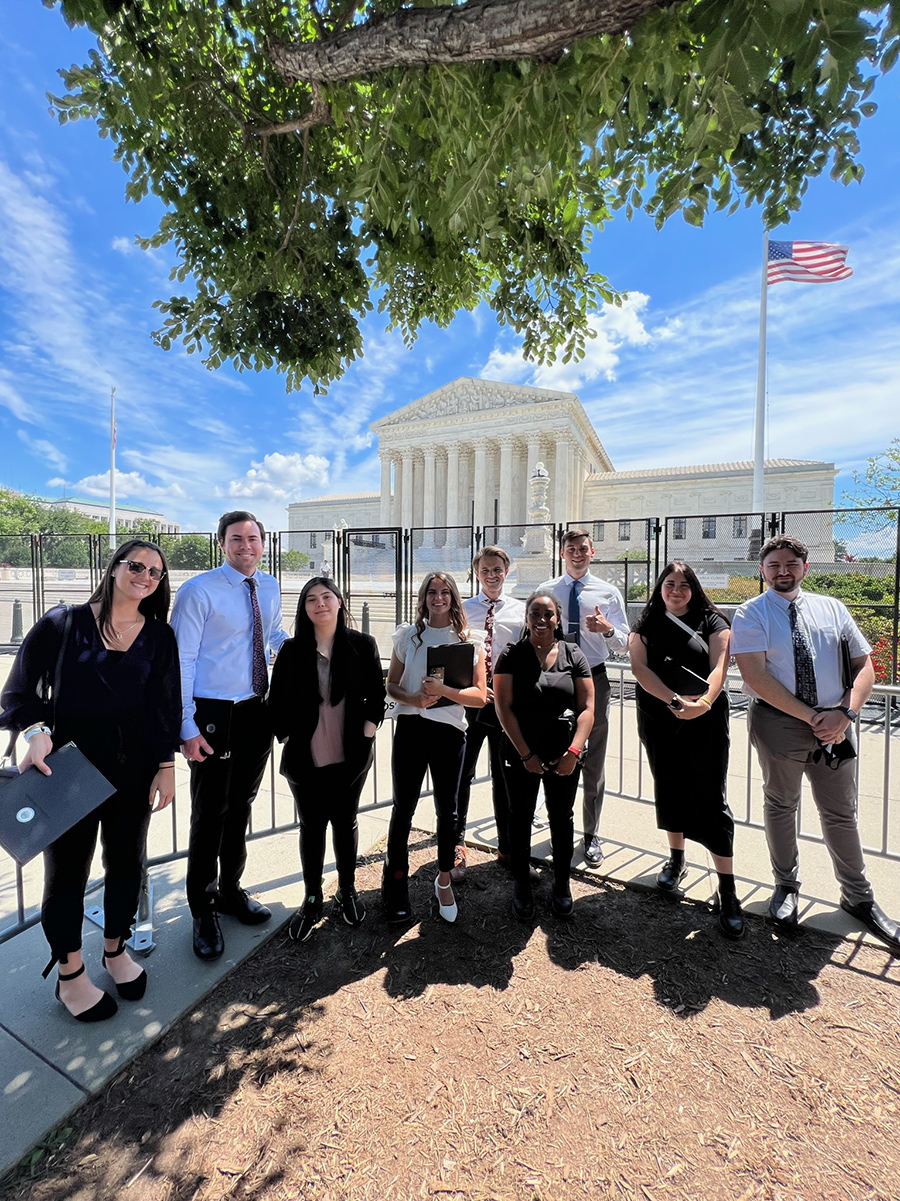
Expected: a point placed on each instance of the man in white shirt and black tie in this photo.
(808, 671)
(226, 621)
(594, 617)
(501, 617)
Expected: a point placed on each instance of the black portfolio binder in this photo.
(681, 679)
(454, 665)
(35, 809)
(213, 720)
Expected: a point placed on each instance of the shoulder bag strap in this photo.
(57, 674)
(687, 629)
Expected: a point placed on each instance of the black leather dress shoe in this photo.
(523, 903)
(245, 908)
(671, 875)
(783, 907)
(208, 941)
(731, 917)
(877, 922)
(593, 852)
(561, 903)
(505, 860)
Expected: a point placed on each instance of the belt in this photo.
(757, 700)
(599, 670)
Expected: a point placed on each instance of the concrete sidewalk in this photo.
(49, 1064)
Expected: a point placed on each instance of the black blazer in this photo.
(293, 703)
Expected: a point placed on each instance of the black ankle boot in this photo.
(728, 907)
(673, 872)
(395, 895)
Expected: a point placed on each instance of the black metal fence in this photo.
(853, 555)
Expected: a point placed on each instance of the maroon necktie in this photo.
(260, 671)
(489, 641)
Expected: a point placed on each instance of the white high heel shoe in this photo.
(448, 912)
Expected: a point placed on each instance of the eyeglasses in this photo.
(137, 568)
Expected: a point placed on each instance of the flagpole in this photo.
(759, 437)
(112, 470)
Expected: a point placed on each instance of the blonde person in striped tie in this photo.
(502, 618)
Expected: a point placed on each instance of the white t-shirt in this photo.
(763, 624)
(414, 657)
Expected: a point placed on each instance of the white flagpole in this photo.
(759, 437)
(112, 470)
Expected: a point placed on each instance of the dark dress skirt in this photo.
(688, 759)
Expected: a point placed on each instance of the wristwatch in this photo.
(609, 633)
(849, 713)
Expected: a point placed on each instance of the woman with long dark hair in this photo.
(429, 735)
(544, 693)
(120, 703)
(679, 655)
(326, 701)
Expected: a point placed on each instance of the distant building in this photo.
(134, 517)
(464, 453)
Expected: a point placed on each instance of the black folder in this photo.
(36, 809)
(682, 679)
(213, 718)
(454, 665)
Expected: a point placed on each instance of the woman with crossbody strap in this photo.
(679, 656)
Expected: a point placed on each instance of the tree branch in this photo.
(480, 29)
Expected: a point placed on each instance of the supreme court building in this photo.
(464, 455)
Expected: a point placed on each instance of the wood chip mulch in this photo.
(629, 1053)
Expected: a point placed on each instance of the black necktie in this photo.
(804, 668)
(260, 677)
(574, 622)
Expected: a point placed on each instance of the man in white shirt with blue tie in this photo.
(501, 617)
(594, 617)
(226, 621)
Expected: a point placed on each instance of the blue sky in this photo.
(670, 378)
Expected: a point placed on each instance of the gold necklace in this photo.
(121, 635)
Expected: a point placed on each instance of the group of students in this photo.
(128, 688)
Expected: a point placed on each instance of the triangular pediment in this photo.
(466, 395)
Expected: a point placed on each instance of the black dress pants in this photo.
(484, 725)
(560, 792)
(222, 791)
(420, 745)
(123, 821)
(328, 794)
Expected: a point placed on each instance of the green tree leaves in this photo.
(293, 209)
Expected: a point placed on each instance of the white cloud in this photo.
(12, 399)
(124, 246)
(281, 477)
(128, 484)
(48, 451)
(613, 327)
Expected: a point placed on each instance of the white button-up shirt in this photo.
(594, 592)
(763, 624)
(509, 619)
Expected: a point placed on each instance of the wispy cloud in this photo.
(49, 452)
(128, 484)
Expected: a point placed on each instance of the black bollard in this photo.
(364, 617)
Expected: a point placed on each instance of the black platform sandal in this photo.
(105, 1007)
(131, 990)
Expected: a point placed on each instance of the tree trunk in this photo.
(481, 29)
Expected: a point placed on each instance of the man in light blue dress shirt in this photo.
(226, 622)
(594, 616)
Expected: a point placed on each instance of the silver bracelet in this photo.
(29, 734)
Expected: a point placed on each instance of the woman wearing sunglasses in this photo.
(119, 701)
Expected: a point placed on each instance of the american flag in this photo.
(807, 262)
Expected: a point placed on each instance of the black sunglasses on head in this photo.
(137, 568)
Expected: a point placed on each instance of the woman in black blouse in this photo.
(326, 701)
(544, 696)
(120, 703)
(679, 656)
